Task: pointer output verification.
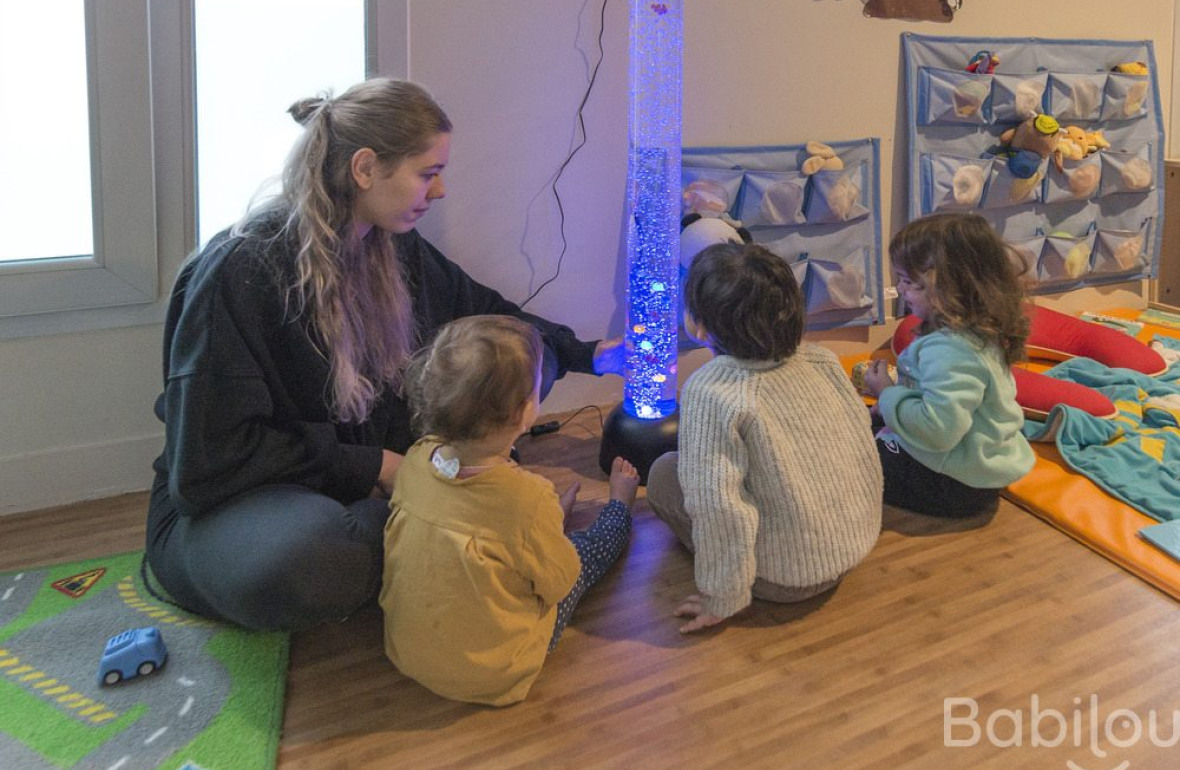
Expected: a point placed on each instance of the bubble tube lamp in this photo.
(644, 425)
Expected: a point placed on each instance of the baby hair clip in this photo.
(448, 468)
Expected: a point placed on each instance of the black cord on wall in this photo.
(569, 158)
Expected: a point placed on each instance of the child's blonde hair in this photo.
(972, 283)
(475, 377)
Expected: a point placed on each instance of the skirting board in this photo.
(59, 477)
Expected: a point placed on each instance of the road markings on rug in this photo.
(46, 686)
(153, 610)
(8, 594)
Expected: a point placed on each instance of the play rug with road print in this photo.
(216, 703)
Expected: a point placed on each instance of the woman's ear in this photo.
(364, 167)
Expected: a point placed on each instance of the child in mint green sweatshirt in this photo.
(950, 435)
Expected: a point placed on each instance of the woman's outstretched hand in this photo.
(609, 356)
(694, 607)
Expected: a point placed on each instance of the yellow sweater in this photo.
(474, 569)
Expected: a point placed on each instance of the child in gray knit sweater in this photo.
(776, 488)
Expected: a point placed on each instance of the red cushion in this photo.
(1037, 393)
(1058, 336)
(904, 334)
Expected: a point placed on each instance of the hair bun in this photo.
(305, 109)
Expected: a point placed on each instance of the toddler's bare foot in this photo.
(568, 497)
(624, 480)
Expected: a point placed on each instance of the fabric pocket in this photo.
(1025, 255)
(1120, 251)
(837, 284)
(786, 250)
(1077, 180)
(1076, 96)
(954, 183)
(799, 270)
(709, 191)
(952, 96)
(1004, 189)
(1126, 172)
(835, 196)
(1065, 258)
(773, 198)
(1126, 97)
(1016, 98)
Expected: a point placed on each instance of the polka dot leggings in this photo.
(598, 547)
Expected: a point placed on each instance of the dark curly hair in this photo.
(747, 300)
(971, 277)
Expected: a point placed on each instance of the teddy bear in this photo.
(1072, 144)
(1028, 143)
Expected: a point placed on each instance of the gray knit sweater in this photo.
(780, 474)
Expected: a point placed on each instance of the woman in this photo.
(283, 350)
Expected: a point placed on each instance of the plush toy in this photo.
(1095, 141)
(698, 232)
(983, 63)
(1028, 143)
(1071, 145)
(821, 157)
(1131, 68)
(1075, 143)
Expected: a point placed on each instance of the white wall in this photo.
(75, 412)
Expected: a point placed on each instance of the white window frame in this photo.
(140, 59)
(124, 269)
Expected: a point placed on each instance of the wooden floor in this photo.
(1063, 654)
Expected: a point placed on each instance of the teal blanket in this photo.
(1135, 456)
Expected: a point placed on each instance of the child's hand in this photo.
(694, 607)
(877, 377)
(567, 499)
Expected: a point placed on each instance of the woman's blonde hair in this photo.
(972, 282)
(353, 289)
(476, 377)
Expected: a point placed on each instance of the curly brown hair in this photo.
(747, 299)
(972, 282)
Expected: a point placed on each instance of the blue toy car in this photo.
(137, 652)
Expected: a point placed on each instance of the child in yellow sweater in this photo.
(479, 577)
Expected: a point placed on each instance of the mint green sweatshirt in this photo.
(954, 410)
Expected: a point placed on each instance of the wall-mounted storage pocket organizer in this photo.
(1074, 220)
(826, 225)
(1121, 252)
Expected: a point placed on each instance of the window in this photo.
(98, 244)
(297, 48)
(45, 160)
(62, 259)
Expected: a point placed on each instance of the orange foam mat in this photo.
(1085, 512)
(1082, 510)
(1075, 505)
